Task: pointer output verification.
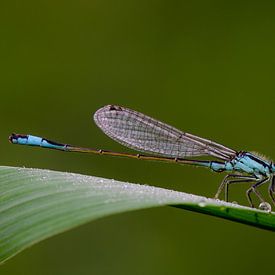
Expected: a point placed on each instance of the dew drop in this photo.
(202, 204)
(265, 206)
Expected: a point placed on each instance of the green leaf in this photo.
(37, 204)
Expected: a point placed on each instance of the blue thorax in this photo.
(251, 164)
(245, 162)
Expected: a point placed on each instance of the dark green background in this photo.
(204, 67)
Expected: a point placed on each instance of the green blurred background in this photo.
(204, 67)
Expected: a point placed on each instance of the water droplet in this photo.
(202, 204)
(265, 206)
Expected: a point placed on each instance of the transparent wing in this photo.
(143, 133)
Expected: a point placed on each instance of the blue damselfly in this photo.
(166, 143)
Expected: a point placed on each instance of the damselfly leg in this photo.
(235, 178)
(271, 189)
(232, 178)
(253, 188)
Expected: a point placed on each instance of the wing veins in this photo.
(121, 123)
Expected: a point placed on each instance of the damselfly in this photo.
(166, 143)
